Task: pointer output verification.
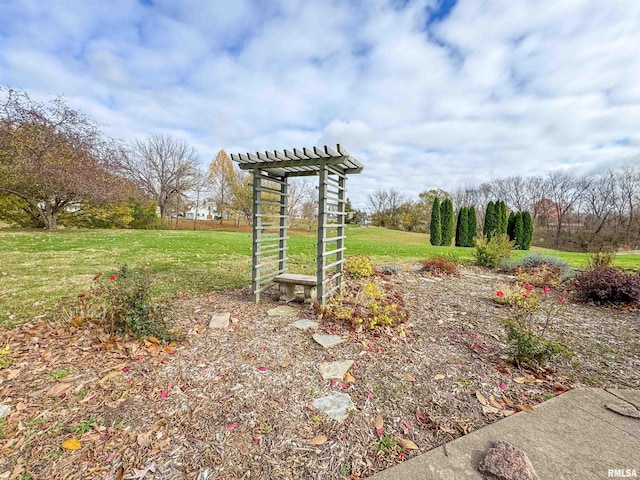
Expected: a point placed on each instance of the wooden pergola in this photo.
(271, 173)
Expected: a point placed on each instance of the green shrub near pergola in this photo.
(271, 172)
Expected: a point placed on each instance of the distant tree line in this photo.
(566, 210)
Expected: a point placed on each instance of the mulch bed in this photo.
(236, 403)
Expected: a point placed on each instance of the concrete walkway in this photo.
(572, 436)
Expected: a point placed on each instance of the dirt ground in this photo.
(235, 403)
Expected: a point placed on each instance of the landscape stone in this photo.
(505, 462)
(327, 340)
(335, 406)
(219, 320)
(624, 409)
(335, 370)
(304, 324)
(4, 410)
(282, 311)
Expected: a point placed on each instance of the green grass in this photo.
(37, 268)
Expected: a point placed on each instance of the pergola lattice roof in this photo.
(298, 163)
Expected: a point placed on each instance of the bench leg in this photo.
(287, 292)
(309, 294)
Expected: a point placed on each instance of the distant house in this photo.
(206, 210)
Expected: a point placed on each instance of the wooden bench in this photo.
(288, 281)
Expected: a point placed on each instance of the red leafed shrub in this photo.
(607, 284)
(440, 267)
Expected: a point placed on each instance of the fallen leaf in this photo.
(108, 377)
(406, 444)
(77, 321)
(349, 378)
(506, 413)
(524, 408)
(71, 444)
(439, 377)
(489, 409)
(231, 427)
(503, 386)
(11, 374)
(164, 394)
(153, 340)
(508, 402)
(262, 368)
(66, 379)
(144, 440)
(421, 416)
(58, 389)
(519, 380)
(481, 398)
(407, 425)
(378, 424)
(408, 377)
(318, 440)
(495, 403)
(170, 350)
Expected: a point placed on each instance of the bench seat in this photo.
(287, 283)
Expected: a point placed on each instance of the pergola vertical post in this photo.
(256, 234)
(340, 233)
(322, 230)
(284, 220)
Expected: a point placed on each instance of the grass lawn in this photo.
(37, 268)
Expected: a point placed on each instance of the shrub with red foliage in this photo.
(440, 267)
(607, 284)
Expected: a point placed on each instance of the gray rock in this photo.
(219, 320)
(335, 406)
(335, 370)
(327, 340)
(390, 270)
(4, 410)
(282, 311)
(505, 462)
(304, 324)
(624, 409)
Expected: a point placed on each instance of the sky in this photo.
(425, 93)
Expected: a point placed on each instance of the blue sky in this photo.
(427, 94)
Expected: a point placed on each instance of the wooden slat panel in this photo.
(331, 152)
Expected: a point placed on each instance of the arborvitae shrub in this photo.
(511, 222)
(435, 229)
(490, 220)
(501, 223)
(518, 230)
(527, 230)
(462, 227)
(446, 220)
(472, 227)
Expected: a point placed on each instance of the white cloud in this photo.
(493, 89)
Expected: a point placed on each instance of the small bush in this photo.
(523, 297)
(489, 253)
(358, 266)
(527, 348)
(600, 259)
(121, 303)
(440, 267)
(608, 285)
(370, 305)
(536, 260)
(4, 357)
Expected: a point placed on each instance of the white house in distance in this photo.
(205, 211)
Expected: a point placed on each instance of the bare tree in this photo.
(300, 191)
(565, 191)
(162, 166)
(599, 199)
(628, 180)
(200, 185)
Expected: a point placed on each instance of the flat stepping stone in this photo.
(332, 370)
(4, 410)
(327, 340)
(219, 320)
(335, 406)
(304, 324)
(282, 311)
